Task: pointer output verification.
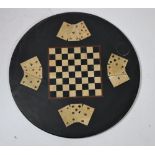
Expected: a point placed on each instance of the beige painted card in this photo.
(31, 63)
(32, 67)
(116, 65)
(118, 80)
(65, 29)
(83, 31)
(66, 115)
(73, 35)
(35, 72)
(76, 111)
(30, 82)
(86, 114)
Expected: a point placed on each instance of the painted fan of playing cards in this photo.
(116, 70)
(69, 75)
(73, 32)
(32, 73)
(76, 113)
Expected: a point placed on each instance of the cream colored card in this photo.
(83, 31)
(30, 82)
(65, 29)
(118, 80)
(76, 111)
(66, 115)
(86, 114)
(32, 67)
(73, 35)
(116, 65)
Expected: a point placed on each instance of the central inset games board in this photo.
(75, 71)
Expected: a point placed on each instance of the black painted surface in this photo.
(40, 110)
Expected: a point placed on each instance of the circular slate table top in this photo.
(41, 110)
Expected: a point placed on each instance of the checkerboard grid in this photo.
(69, 68)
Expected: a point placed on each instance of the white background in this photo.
(138, 126)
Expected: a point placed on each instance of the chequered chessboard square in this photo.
(75, 72)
